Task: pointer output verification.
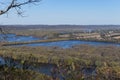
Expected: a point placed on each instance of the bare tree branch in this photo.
(16, 4)
(13, 4)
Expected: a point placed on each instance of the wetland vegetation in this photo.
(78, 61)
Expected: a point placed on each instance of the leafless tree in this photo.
(7, 5)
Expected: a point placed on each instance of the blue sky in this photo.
(83, 12)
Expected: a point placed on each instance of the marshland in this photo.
(59, 53)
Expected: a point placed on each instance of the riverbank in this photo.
(37, 41)
(57, 40)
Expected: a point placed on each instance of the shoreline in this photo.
(56, 40)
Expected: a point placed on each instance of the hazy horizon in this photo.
(67, 24)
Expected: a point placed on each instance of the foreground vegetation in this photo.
(105, 61)
(10, 73)
(81, 62)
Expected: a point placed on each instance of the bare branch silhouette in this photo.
(17, 5)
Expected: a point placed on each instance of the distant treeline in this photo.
(23, 27)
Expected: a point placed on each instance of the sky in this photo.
(78, 12)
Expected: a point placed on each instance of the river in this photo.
(62, 44)
(16, 38)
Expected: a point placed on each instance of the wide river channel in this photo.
(62, 44)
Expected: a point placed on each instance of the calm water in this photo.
(15, 38)
(70, 43)
(62, 44)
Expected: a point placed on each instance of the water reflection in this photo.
(70, 43)
(15, 38)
